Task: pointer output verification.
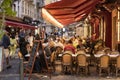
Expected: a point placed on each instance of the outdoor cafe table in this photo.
(110, 55)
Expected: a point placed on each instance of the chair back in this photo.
(81, 59)
(118, 62)
(104, 61)
(67, 59)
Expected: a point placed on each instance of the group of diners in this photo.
(93, 52)
(103, 60)
(87, 49)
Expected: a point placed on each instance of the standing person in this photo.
(6, 44)
(13, 46)
(30, 39)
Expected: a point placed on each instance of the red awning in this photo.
(20, 25)
(70, 11)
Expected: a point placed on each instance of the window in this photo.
(14, 7)
(23, 7)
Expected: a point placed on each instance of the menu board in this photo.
(33, 55)
(1, 58)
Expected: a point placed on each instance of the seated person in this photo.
(46, 48)
(80, 45)
(59, 44)
(51, 45)
(69, 47)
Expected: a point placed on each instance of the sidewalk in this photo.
(13, 74)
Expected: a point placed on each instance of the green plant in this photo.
(6, 10)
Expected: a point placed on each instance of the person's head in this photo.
(6, 33)
(30, 34)
(13, 37)
(46, 40)
(70, 41)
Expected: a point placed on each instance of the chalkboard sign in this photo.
(33, 54)
(30, 65)
(43, 60)
(42, 56)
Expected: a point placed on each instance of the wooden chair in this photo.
(104, 64)
(113, 60)
(117, 65)
(67, 62)
(81, 61)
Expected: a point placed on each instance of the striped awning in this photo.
(65, 12)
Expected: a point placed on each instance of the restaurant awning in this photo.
(65, 12)
(20, 25)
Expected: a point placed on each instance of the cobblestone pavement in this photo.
(13, 74)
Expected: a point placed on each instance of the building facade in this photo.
(25, 8)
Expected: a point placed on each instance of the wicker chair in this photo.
(81, 60)
(117, 65)
(67, 62)
(104, 64)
